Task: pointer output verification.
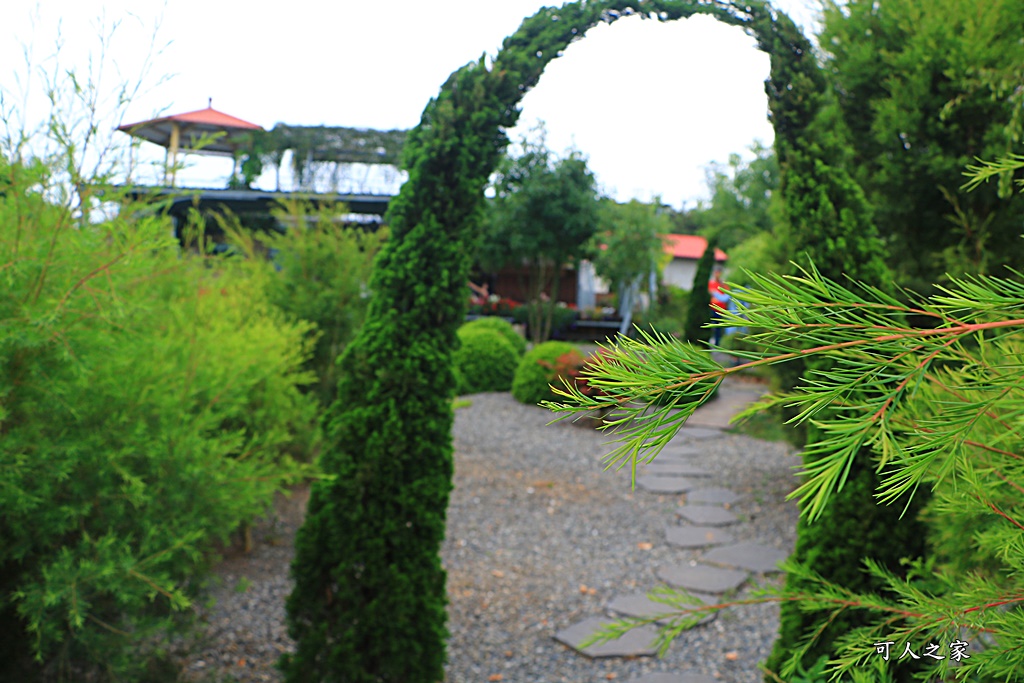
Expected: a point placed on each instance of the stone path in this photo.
(703, 523)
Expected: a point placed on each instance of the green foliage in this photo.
(743, 195)
(762, 253)
(765, 425)
(826, 219)
(149, 398)
(502, 327)
(672, 302)
(544, 215)
(925, 88)
(537, 372)
(698, 311)
(485, 361)
(632, 248)
(668, 315)
(875, 531)
(324, 269)
(314, 147)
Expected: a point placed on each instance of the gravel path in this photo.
(539, 537)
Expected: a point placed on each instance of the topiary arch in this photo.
(369, 601)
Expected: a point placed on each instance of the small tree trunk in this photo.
(552, 300)
(626, 301)
(536, 316)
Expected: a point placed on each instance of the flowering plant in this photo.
(492, 305)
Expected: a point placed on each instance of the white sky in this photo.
(650, 104)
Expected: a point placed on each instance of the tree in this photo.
(698, 310)
(925, 87)
(543, 216)
(741, 198)
(631, 250)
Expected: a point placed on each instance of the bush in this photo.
(698, 312)
(537, 370)
(485, 361)
(324, 267)
(502, 327)
(148, 400)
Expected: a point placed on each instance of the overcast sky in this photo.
(650, 104)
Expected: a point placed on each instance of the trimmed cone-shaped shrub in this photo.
(536, 372)
(485, 361)
(502, 327)
(698, 312)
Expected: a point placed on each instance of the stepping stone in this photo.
(702, 578)
(714, 495)
(707, 514)
(679, 469)
(635, 643)
(667, 459)
(696, 434)
(640, 606)
(756, 557)
(696, 536)
(675, 678)
(656, 484)
(675, 449)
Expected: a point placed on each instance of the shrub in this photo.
(536, 372)
(502, 327)
(148, 399)
(485, 361)
(324, 266)
(698, 313)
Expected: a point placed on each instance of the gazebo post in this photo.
(172, 151)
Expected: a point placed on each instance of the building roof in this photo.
(195, 126)
(690, 247)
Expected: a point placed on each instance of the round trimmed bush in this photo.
(502, 327)
(537, 371)
(485, 361)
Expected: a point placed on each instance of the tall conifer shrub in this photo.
(369, 601)
(698, 310)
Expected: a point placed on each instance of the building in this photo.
(686, 251)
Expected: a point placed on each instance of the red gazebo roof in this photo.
(193, 126)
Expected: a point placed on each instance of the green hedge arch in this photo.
(369, 598)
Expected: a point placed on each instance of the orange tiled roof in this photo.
(194, 126)
(208, 117)
(689, 247)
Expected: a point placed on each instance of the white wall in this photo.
(680, 273)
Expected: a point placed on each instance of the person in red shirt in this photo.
(719, 303)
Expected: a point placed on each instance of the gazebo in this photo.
(206, 131)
